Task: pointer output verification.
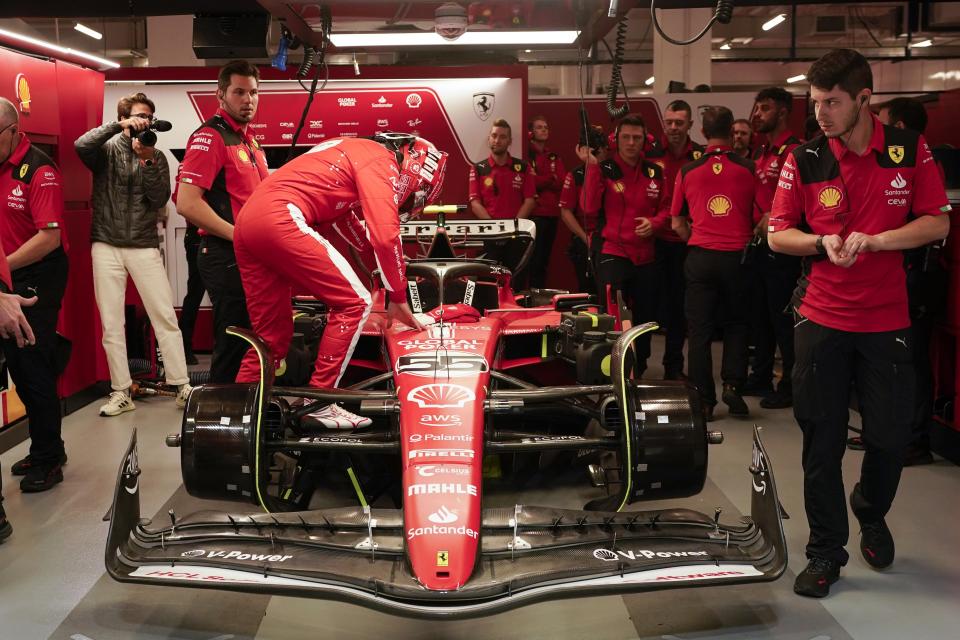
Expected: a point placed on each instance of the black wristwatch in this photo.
(821, 250)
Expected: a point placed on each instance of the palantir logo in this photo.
(898, 182)
(443, 515)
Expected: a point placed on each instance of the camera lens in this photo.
(147, 138)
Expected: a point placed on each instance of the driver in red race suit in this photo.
(282, 242)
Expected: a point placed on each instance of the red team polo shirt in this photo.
(570, 199)
(333, 182)
(501, 189)
(722, 197)
(626, 193)
(225, 161)
(32, 195)
(671, 165)
(769, 159)
(827, 189)
(549, 174)
(5, 273)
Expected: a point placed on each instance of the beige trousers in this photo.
(110, 268)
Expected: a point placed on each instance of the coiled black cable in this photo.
(615, 77)
(723, 15)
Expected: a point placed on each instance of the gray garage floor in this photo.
(52, 581)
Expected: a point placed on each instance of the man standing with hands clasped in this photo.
(842, 202)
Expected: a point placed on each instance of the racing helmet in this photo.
(422, 168)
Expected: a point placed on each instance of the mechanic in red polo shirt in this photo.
(717, 203)
(502, 187)
(31, 219)
(775, 274)
(843, 203)
(222, 167)
(549, 173)
(631, 197)
(582, 225)
(13, 326)
(675, 150)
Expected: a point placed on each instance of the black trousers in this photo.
(33, 368)
(638, 285)
(218, 268)
(543, 247)
(718, 293)
(775, 278)
(670, 259)
(828, 362)
(195, 291)
(579, 255)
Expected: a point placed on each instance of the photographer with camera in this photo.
(582, 226)
(131, 181)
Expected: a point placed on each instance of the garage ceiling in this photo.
(878, 29)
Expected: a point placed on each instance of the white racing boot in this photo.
(333, 416)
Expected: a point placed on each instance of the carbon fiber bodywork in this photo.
(527, 554)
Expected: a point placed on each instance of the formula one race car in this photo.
(502, 399)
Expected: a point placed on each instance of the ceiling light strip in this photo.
(43, 44)
(471, 38)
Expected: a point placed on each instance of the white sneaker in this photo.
(119, 402)
(183, 393)
(333, 416)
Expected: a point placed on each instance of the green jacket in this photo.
(126, 195)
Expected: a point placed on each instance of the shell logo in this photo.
(830, 197)
(719, 206)
(441, 395)
(619, 187)
(22, 91)
(488, 182)
(242, 154)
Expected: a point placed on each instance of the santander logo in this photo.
(898, 182)
(443, 515)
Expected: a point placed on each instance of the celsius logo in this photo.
(441, 395)
(442, 516)
(898, 182)
(431, 470)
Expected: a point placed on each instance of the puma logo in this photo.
(815, 152)
(902, 341)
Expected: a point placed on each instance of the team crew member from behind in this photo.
(282, 241)
(222, 167)
(717, 204)
(742, 135)
(775, 274)
(31, 219)
(131, 182)
(630, 192)
(549, 174)
(842, 202)
(676, 150)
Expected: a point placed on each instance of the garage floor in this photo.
(52, 580)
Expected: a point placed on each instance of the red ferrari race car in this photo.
(429, 511)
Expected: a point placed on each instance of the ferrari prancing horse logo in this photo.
(895, 151)
(443, 559)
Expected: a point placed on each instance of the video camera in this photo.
(147, 137)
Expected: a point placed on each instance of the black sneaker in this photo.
(708, 412)
(21, 467)
(732, 398)
(815, 580)
(41, 478)
(778, 400)
(5, 528)
(756, 388)
(876, 544)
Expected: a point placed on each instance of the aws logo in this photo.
(830, 197)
